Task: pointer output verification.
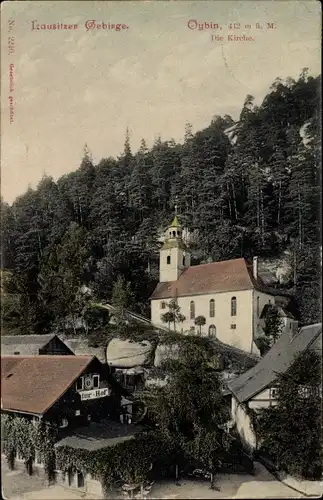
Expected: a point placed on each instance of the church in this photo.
(229, 295)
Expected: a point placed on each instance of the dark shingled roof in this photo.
(38, 340)
(25, 344)
(226, 276)
(33, 384)
(99, 435)
(277, 360)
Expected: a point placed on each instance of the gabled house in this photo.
(256, 388)
(288, 320)
(68, 390)
(31, 345)
(77, 393)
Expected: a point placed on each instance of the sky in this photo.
(77, 87)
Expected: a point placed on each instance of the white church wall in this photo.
(232, 330)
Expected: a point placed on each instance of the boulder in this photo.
(127, 354)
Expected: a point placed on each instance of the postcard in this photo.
(161, 331)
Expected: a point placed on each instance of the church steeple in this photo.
(174, 257)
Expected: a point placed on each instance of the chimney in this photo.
(255, 267)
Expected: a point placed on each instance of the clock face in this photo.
(88, 383)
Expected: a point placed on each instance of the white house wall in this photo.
(242, 420)
(240, 337)
(243, 425)
(262, 400)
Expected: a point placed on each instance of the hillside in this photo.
(241, 188)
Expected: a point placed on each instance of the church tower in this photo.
(174, 257)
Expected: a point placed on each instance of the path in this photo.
(17, 485)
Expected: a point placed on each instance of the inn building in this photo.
(77, 393)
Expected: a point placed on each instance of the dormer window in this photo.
(80, 384)
(96, 381)
(88, 382)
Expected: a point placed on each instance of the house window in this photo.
(96, 381)
(77, 413)
(233, 327)
(233, 306)
(168, 259)
(212, 308)
(80, 384)
(273, 393)
(212, 331)
(258, 307)
(16, 353)
(192, 329)
(163, 305)
(183, 260)
(290, 326)
(192, 310)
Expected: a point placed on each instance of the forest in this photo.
(242, 188)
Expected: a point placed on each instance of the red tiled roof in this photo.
(34, 383)
(226, 276)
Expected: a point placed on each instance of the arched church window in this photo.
(212, 331)
(168, 259)
(178, 233)
(192, 309)
(233, 306)
(212, 308)
(174, 234)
